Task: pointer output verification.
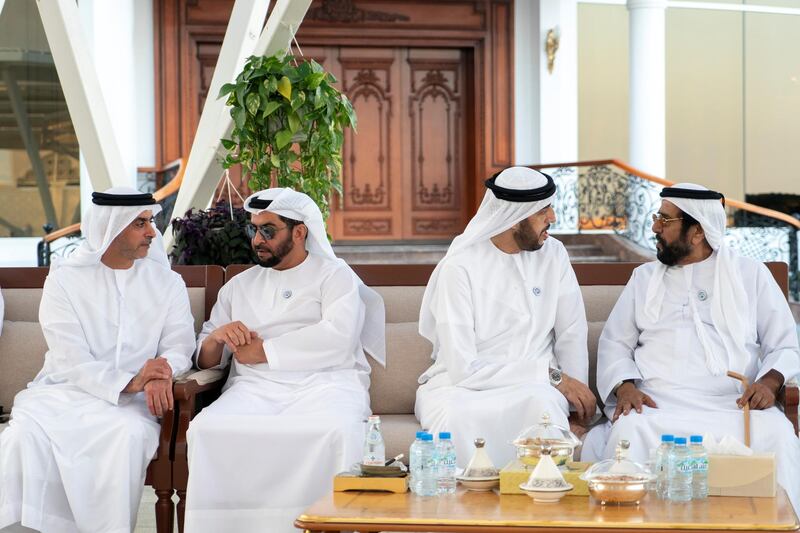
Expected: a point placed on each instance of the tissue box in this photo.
(742, 475)
(516, 473)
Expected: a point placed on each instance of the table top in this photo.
(484, 511)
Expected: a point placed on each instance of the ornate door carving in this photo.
(431, 82)
(402, 174)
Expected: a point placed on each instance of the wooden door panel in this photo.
(437, 130)
(371, 207)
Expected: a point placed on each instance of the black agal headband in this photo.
(522, 195)
(258, 203)
(692, 194)
(101, 198)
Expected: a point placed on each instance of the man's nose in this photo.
(150, 231)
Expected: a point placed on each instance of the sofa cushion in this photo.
(599, 300)
(402, 303)
(22, 349)
(22, 304)
(399, 432)
(393, 389)
(595, 329)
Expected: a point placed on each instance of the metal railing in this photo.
(609, 196)
(167, 179)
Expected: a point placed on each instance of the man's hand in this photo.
(253, 352)
(629, 397)
(579, 396)
(159, 396)
(762, 393)
(233, 335)
(157, 368)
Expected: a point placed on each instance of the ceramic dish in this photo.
(543, 494)
(479, 484)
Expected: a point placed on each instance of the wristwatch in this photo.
(555, 377)
(620, 384)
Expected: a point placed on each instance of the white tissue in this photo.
(726, 446)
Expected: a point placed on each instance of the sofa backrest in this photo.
(22, 344)
(393, 389)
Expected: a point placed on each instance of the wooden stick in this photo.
(745, 384)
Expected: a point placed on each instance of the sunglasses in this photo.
(267, 231)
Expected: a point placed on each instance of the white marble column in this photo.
(647, 43)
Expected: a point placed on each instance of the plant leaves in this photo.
(285, 88)
(225, 89)
(228, 144)
(283, 138)
(239, 117)
(271, 106)
(294, 122)
(315, 79)
(253, 103)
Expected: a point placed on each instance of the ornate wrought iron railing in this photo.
(164, 181)
(609, 196)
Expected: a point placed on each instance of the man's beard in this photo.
(277, 256)
(670, 254)
(525, 237)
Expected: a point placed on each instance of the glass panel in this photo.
(602, 82)
(704, 98)
(772, 103)
(39, 175)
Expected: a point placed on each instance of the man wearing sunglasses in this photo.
(294, 330)
(680, 325)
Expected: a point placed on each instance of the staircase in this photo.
(581, 249)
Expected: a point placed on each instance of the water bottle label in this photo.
(685, 467)
(701, 465)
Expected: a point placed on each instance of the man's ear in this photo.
(699, 235)
(301, 231)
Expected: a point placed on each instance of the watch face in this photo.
(555, 376)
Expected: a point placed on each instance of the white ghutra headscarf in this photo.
(729, 300)
(512, 196)
(110, 213)
(298, 206)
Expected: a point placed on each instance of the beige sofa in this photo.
(22, 350)
(393, 389)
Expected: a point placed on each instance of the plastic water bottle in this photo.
(374, 447)
(415, 462)
(700, 468)
(661, 465)
(680, 472)
(446, 471)
(427, 471)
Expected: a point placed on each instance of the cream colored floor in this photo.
(146, 523)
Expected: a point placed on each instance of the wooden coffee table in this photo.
(493, 513)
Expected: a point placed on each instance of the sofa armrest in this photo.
(195, 382)
(193, 391)
(788, 398)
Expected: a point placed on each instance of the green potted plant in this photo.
(288, 123)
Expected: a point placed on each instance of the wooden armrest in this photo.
(788, 398)
(197, 381)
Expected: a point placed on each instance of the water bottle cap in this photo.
(427, 436)
(444, 435)
(696, 438)
(374, 418)
(680, 441)
(667, 438)
(420, 434)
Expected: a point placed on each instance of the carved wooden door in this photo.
(405, 172)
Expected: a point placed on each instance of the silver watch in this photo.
(555, 377)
